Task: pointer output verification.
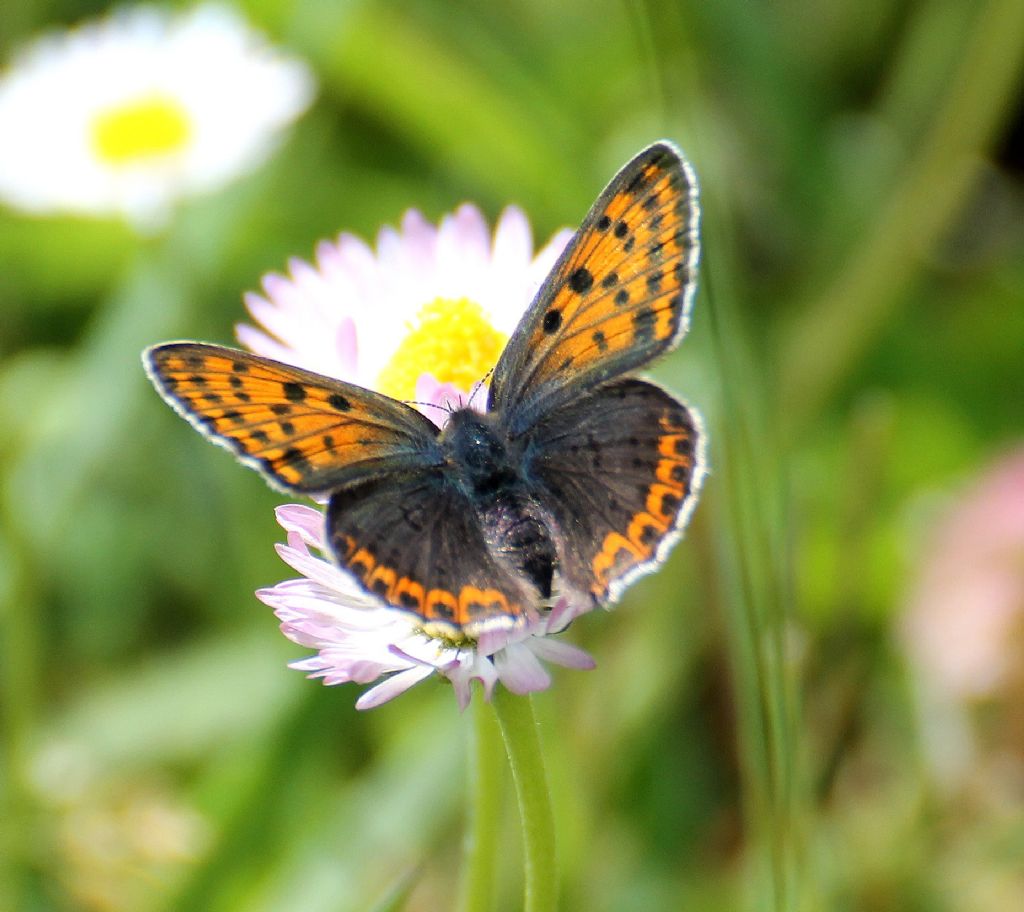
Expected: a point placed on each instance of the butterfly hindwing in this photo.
(619, 469)
(413, 540)
(618, 296)
(304, 432)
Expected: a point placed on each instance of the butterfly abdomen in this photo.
(519, 534)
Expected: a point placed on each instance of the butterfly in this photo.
(577, 479)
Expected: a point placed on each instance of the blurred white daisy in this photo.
(359, 639)
(127, 114)
(424, 317)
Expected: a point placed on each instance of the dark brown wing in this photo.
(413, 539)
(619, 470)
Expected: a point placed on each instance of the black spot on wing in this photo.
(581, 280)
(293, 392)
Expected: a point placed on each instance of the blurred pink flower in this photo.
(964, 626)
(359, 639)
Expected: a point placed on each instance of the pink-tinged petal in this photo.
(490, 641)
(443, 396)
(283, 295)
(393, 686)
(419, 237)
(305, 278)
(463, 255)
(470, 233)
(520, 671)
(463, 691)
(328, 259)
(564, 654)
(347, 347)
(472, 668)
(483, 670)
(390, 250)
(309, 523)
(513, 242)
(546, 257)
(360, 265)
(326, 574)
(277, 320)
(261, 344)
(565, 611)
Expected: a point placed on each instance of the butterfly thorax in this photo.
(476, 452)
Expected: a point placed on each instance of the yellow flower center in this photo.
(452, 341)
(144, 127)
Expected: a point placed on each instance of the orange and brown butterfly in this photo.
(576, 479)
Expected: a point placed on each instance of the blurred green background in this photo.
(752, 736)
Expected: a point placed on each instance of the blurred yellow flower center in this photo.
(144, 127)
(451, 340)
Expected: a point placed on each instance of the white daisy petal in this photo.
(309, 523)
(392, 687)
(520, 671)
(563, 654)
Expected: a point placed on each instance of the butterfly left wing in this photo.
(303, 432)
(618, 469)
(617, 297)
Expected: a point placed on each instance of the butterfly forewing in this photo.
(619, 295)
(304, 432)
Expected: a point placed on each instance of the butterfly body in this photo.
(574, 481)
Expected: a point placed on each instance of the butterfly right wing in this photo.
(305, 433)
(619, 469)
(413, 540)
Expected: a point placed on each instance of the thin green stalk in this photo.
(522, 744)
(486, 790)
(755, 567)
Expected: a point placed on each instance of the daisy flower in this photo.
(424, 318)
(360, 639)
(125, 115)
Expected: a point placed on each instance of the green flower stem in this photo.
(486, 793)
(522, 744)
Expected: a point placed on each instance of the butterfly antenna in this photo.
(443, 408)
(479, 384)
